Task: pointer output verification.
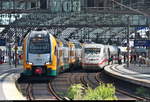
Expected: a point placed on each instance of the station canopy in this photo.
(103, 21)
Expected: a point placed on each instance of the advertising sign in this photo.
(65, 6)
(2, 42)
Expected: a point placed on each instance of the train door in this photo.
(66, 55)
(59, 54)
(71, 54)
(105, 55)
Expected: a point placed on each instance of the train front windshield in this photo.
(92, 50)
(39, 45)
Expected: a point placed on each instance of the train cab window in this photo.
(92, 50)
(39, 45)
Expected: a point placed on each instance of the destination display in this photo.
(2, 42)
(145, 43)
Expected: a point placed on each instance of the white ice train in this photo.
(96, 56)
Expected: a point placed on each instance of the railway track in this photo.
(122, 94)
(122, 86)
(39, 91)
(87, 79)
(92, 80)
(57, 88)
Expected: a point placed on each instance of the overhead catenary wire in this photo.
(135, 10)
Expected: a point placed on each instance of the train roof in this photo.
(36, 33)
(93, 45)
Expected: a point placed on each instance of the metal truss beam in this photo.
(72, 26)
(20, 11)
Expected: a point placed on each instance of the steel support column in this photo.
(16, 45)
(128, 45)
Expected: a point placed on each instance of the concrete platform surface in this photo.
(8, 75)
(134, 73)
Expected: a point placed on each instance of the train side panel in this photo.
(27, 66)
(52, 67)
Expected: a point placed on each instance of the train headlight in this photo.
(30, 63)
(48, 63)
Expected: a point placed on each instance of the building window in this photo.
(43, 4)
(33, 4)
(101, 4)
(90, 3)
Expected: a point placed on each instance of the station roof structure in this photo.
(99, 20)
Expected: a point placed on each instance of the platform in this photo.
(135, 73)
(8, 76)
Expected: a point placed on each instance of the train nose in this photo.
(38, 71)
